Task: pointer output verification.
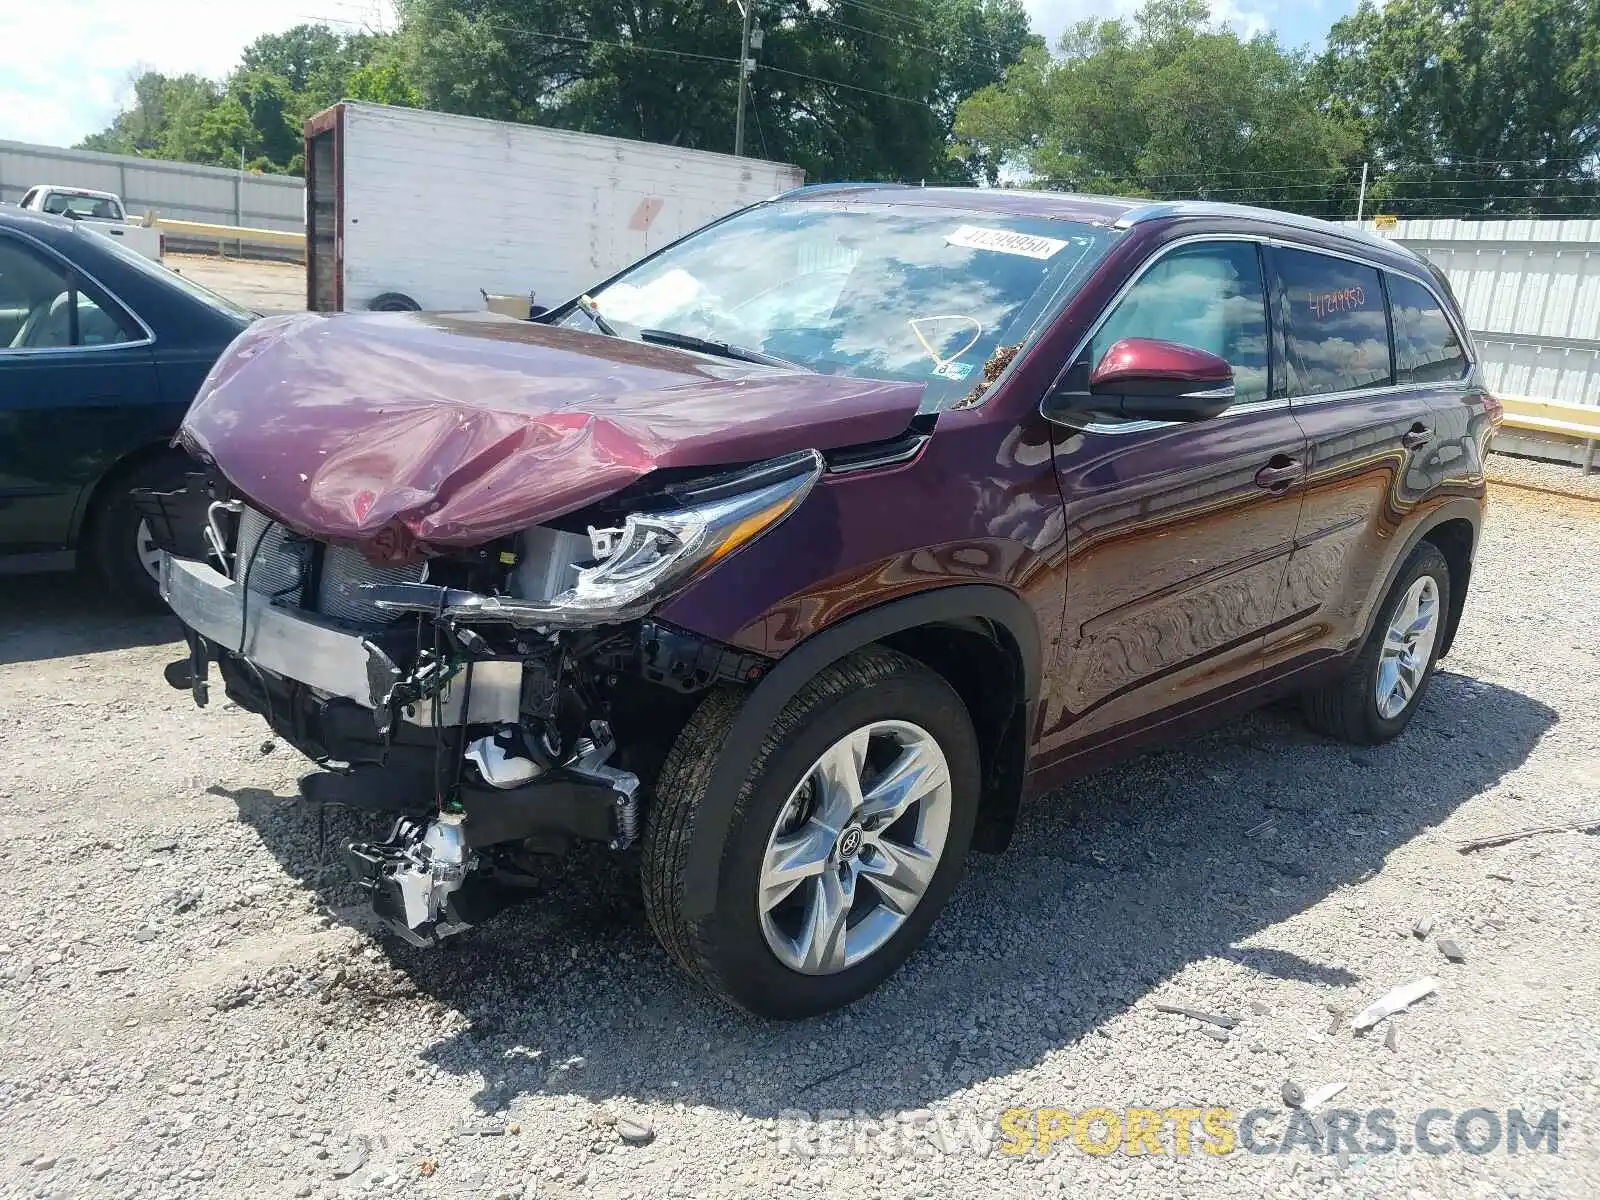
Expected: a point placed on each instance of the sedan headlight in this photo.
(648, 558)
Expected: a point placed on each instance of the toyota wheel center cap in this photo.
(850, 842)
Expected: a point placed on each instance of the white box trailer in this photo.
(414, 209)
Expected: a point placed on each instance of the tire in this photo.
(730, 952)
(116, 540)
(393, 302)
(1349, 708)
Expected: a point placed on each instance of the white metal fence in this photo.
(185, 191)
(1530, 290)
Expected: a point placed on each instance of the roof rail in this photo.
(1158, 209)
(817, 189)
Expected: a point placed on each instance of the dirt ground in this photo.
(265, 287)
(193, 1005)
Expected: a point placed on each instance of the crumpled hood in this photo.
(407, 433)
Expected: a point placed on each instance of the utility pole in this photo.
(748, 8)
(1361, 196)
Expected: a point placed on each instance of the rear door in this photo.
(1375, 444)
(70, 357)
(1177, 534)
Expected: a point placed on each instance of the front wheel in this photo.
(120, 546)
(846, 839)
(1382, 689)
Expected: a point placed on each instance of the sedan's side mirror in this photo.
(1145, 379)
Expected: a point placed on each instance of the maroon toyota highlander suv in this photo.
(803, 551)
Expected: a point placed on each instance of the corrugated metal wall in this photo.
(183, 191)
(1531, 293)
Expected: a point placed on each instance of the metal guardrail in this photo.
(1555, 416)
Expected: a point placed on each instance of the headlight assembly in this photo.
(647, 559)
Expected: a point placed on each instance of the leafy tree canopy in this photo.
(1162, 105)
(1472, 107)
(1459, 106)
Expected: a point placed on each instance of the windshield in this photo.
(172, 278)
(912, 293)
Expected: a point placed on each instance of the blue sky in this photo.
(1296, 22)
(66, 66)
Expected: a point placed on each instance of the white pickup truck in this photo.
(99, 211)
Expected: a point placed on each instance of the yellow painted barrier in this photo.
(1555, 416)
(292, 238)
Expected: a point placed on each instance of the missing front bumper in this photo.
(333, 661)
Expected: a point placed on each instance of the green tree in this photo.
(844, 91)
(1164, 105)
(260, 110)
(1472, 107)
(852, 90)
(164, 119)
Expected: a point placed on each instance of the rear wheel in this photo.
(1381, 690)
(394, 302)
(847, 838)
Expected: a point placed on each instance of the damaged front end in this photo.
(501, 701)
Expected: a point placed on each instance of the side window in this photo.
(1426, 349)
(27, 197)
(1335, 328)
(42, 306)
(1208, 296)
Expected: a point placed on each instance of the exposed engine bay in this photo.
(502, 701)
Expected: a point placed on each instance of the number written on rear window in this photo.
(1335, 330)
(1426, 349)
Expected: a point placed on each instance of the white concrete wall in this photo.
(184, 191)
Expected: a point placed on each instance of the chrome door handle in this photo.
(1277, 475)
(1418, 436)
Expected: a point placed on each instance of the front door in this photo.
(1177, 534)
(69, 361)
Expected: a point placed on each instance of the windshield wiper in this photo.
(592, 310)
(688, 341)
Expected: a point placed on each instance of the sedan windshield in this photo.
(897, 292)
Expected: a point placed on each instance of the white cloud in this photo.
(67, 66)
(1051, 17)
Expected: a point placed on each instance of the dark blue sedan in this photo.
(101, 351)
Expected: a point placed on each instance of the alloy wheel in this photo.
(1407, 647)
(855, 847)
(144, 545)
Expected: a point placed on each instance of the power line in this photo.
(851, 87)
(898, 41)
(635, 47)
(755, 112)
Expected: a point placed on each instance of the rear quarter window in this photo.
(1426, 348)
(1336, 331)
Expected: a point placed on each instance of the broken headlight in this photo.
(648, 557)
(655, 552)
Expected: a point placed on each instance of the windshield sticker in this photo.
(1004, 241)
(956, 371)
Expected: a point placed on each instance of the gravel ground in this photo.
(1557, 477)
(184, 1016)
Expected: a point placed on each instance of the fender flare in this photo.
(1458, 509)
(1006, 609)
